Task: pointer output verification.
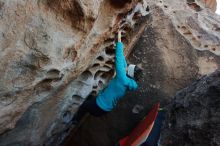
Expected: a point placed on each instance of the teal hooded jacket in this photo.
(109, 96)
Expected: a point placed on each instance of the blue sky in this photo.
(218, 7)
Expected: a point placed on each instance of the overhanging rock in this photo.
(55, 53)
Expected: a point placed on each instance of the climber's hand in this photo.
(119, 36)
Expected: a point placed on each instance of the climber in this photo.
(125, 79)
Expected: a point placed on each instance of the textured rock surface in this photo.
(211, 4)
(194, 115)
(55, 53)
(171, 61)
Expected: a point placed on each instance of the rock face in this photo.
(171, 60)
(54, 53)
(194, 114)
(211, 3)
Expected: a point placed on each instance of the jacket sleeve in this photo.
(120, 63)
(132, 85)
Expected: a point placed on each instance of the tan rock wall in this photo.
(211, 3)
(53, 55)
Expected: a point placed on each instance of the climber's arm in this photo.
(119, 40)
(120, 61)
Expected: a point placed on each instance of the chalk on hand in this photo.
(119, 36)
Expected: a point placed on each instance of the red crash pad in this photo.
(143, 129)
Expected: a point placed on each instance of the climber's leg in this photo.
(83, 109)
(95, 110)
(89, 106)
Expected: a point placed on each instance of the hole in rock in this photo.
(127, 28)
(110, 62)
(76, 96)
(105, 75)
(190, 1)
(67, 116)
(183, 27)
(124, 39)
(95, 87)
(109, 40)
(110, 51)
(53, 71)
(100, 58)
(54, 74)
(218, 28)
(100, 84)
(107, 67)
(119, 3)
(187, 33)
(98, 74)
(94, 93)
(136, 16)
(85, 75)
(77, 99)
(95, 65)
(43, 86)
(213, 49)
(147, 9)
(73, 55)
(111, 72)
(194, 6)
(70, 53)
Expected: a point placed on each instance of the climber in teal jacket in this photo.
(118, 86)
(116, 89)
